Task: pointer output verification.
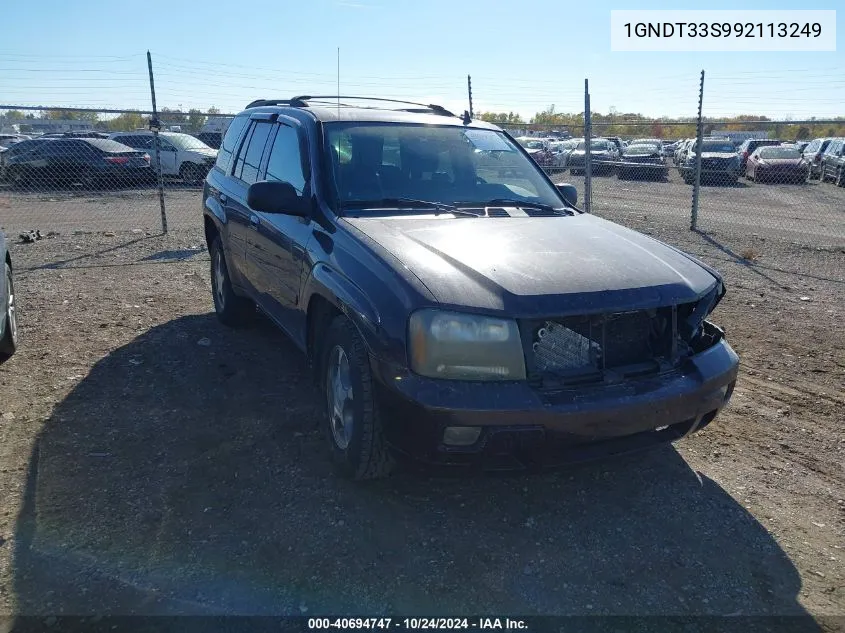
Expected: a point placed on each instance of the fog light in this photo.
(461, 435)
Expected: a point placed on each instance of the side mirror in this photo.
(569, 193)
(273, 196)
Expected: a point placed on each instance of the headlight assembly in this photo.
(458, 346)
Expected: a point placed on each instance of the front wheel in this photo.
(840, 177)
(231, 309)
(9, 342)
(353, 424)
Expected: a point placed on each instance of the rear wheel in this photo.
(231, 309)
(9, 342)
(353, 419)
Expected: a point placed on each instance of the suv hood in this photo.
(717, 154)
(540, 266)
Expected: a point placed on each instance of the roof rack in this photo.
(268, 102)
(302, 102)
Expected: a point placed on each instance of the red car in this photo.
(779, 164)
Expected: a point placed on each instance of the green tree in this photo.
(127, 122)
(195, 120)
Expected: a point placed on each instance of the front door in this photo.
(276, 244)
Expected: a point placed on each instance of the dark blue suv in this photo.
(453, 302)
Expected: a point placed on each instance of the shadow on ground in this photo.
(184, 478)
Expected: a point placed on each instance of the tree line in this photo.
(190, 121)
(631, 124)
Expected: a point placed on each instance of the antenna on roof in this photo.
(338, 81)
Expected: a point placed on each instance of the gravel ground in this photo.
(153, 461)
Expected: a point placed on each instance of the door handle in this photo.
(223, 198)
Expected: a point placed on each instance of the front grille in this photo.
(592, 348)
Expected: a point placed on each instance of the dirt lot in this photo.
(153, 461)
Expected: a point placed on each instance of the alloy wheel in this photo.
(340, 397)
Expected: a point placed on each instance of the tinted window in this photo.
(285, 159)
(249, 160)
(230, 140)
(814, 146)
(779, 152)
(107, 145)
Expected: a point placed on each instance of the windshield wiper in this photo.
(409, 203)
(525, 204)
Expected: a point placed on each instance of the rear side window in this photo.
(285, 162)
(814, 146)
(230, 142)
(249, 160)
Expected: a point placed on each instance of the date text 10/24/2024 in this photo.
(415, 624)
(710, 30)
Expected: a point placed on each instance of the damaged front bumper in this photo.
(522, 425)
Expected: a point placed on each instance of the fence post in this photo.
(154, 125)
(469, 93)
(588, 159)
(698, 136)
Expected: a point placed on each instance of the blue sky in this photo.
(523, 56)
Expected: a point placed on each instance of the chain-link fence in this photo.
(112, 174)
(731, 178)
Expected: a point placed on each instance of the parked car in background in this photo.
(182, 155)
(719, 161)
(643, 159)
(8, 315)
(7, 140)
(833, 162)
(452, 311)
(800, 145)
(779, 164)
(749, 145)
(91, 162)
(562, 150)
(212, 139)
(813, 155)
(14, 150)
(620, 145)
(79, 134)
(604, 157)
(681, 152)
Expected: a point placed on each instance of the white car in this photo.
(182, 155)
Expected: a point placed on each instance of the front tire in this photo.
(9, 342)
(353, 424)
(840, 177)
(231, 309)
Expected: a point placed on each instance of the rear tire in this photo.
(9, 342)
(353, 423)
(231, 309)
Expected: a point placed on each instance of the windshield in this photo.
(185, 141)
(718, 147)
(446, 164)
(780, 152)
(595, 146)
(643, 148)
